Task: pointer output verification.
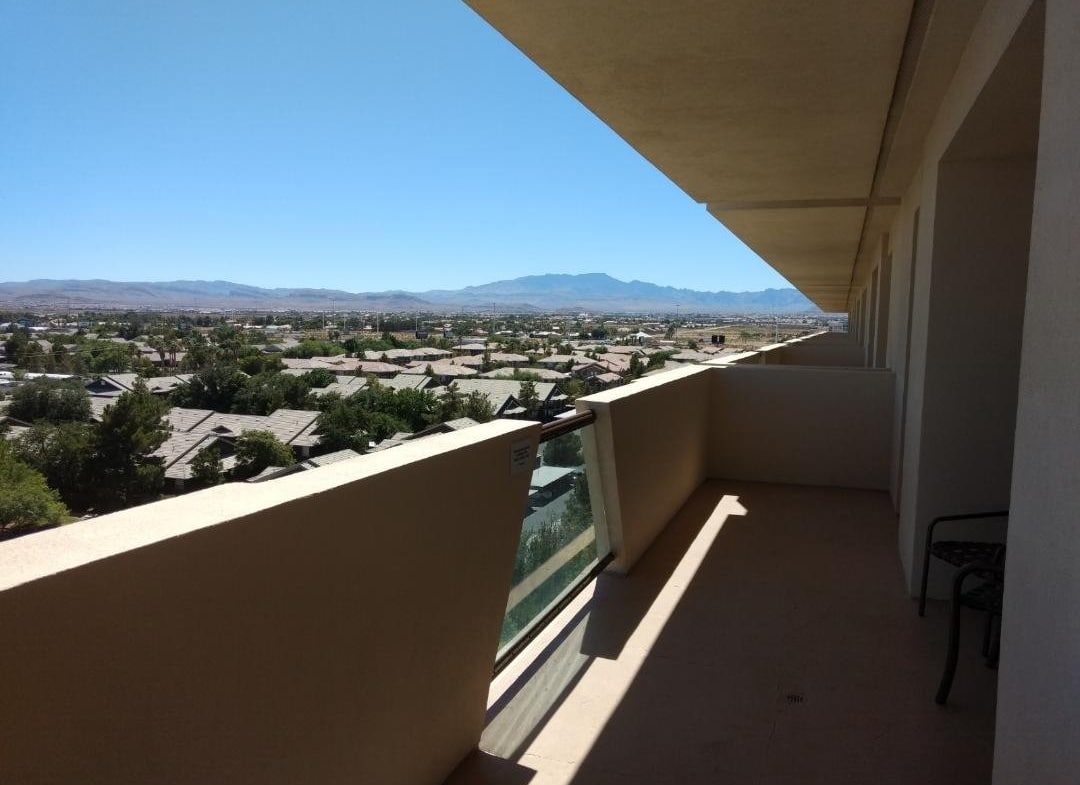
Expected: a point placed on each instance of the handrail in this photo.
(564, 425)
(529, 633)
(531, 583)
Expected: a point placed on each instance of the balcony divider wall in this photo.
(331, 626)
(659, 439)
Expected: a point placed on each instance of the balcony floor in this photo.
(766, 637)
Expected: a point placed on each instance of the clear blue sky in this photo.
(353, 145)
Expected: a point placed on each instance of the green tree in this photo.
(55, 400)
(577, 515)
(215, 387)
(14, 345)
(341, 424)
(380, 425)
(478, 407)
(200, 354)
(256, 450)
(206, 466)
(572, 388)
(314, 348)
(319, 378)
(564, 451)
(26, 500)
(253, 362)
(61, 359)
(32, 357)
(104, 357)
(658, 359)
(269, 392)
(451, 405)
(130, 430)
(529, 399)
(63, 453)
(637, 367)
(414, 407)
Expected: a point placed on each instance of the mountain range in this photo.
(595, 292)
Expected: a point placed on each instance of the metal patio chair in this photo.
(958, 553)
(986, 596)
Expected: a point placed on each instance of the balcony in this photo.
(342, 625)
(764, 637)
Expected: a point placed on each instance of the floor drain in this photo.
(795, 697)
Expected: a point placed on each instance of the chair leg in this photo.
(995, 647)
(925, 577)
(954, 643)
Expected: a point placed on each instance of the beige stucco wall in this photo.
(651, 448)
(903, 241)
(1038, 717)
(656, 440)
(881, 336)
(936, 318)
(973, 348)
(337, 625)
(808, 426)
(840, 351)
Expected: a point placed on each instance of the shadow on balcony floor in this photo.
(765, 638)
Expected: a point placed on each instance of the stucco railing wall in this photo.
(819, 349)
(658, 439)
(338, 625)
(805, 426)
(650, 453)
(843, 354)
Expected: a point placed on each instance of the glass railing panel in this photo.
(557, 551)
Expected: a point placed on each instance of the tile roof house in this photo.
(118, 383)
(543, 374)
(327, 459)
(441, 372)
(194, 429)
(505, 396)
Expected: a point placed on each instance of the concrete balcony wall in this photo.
(820, 349)
(659, 439)
(333, 626)
(823, 350)
(802, 426)
(651, 454)
(743, 358)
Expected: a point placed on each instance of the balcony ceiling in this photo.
(774, 114)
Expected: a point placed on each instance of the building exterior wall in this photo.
(904, 238)
(973, 352)
(1038, 714)
(939, 301)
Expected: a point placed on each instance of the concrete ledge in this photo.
(651, 454)
(334, 626)
(803, 426)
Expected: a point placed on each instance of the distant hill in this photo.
(595, 292)
(195, 294)
(601, 292)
